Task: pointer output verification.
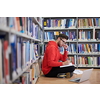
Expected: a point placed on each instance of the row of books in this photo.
(72, 36)
(53, 35)
(15, 56)
(89, 48)
(82, 48)
(71, 23)
(30, 76)
(85, 23)
(72, 59)
(85, 35)
(89, 22)
(88, 61)
(71, 49)
(23, 25)
(49, 36)
(89, 35)
(59, 23)
(85, 61)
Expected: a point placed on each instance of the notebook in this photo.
(70, 64)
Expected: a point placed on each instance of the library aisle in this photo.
(94, 79)
(23, 42)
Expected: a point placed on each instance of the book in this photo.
(23, 55)
(6, 61)
(19, 55)
(13, 55)
(67, 65)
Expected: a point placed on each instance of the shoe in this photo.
(65, 75)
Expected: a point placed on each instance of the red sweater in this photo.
(52, 56)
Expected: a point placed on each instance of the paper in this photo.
(70, 64)
(78, 72)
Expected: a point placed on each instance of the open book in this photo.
(70, 64)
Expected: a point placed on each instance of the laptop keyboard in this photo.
(77, 80)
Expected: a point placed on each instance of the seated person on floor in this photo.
(51, 64)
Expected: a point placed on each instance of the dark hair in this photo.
(63, 36)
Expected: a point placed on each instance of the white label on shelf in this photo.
(93, 39)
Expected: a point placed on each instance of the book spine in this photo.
(1, 63)
(6, 61)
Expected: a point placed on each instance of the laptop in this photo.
(85, 76)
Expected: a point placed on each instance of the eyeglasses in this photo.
(63, 41)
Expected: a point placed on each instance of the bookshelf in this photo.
(84, 38)
(25, 69)
(9, 30)
(40, 23)
(20, 39)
